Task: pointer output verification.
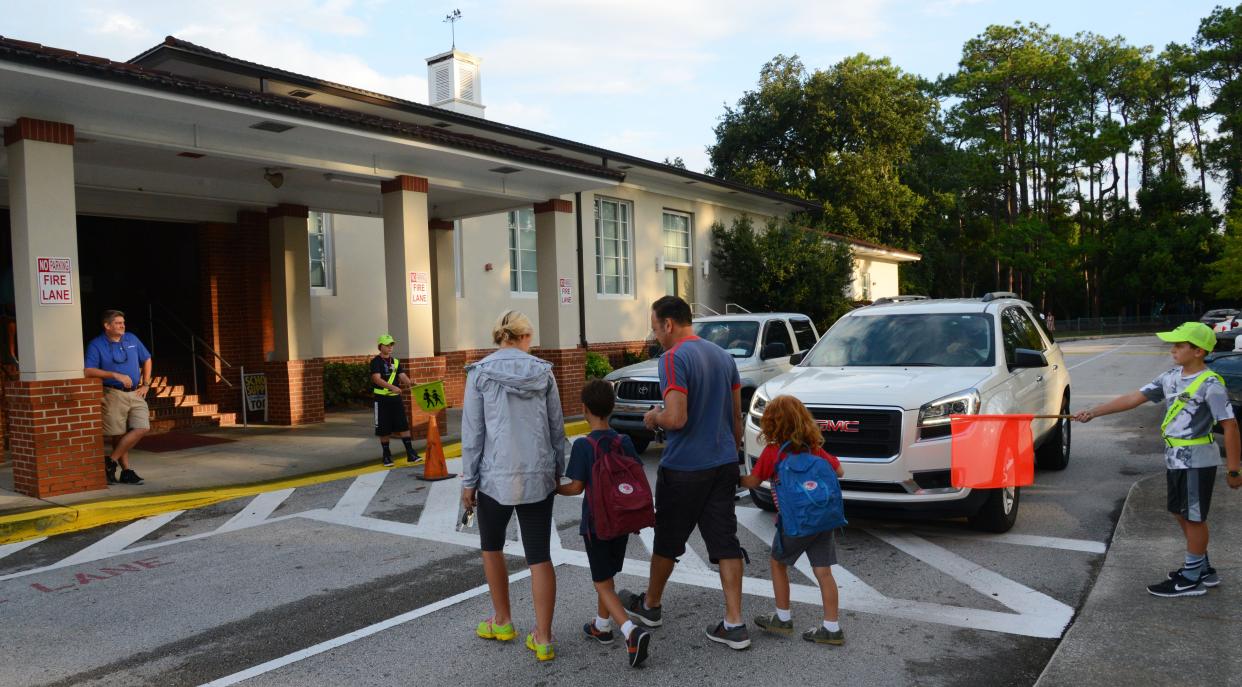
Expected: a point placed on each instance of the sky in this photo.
(644, 77)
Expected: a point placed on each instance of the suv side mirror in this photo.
(773, 350)
(1025, 358)
(797, 357)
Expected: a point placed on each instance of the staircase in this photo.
(173, 409)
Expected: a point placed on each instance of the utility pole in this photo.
(452, 18)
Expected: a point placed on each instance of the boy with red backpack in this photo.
(617, 503)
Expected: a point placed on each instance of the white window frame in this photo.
(625, 245)
(521, 260)
(329, 254)
(457, 276)
(689, 238)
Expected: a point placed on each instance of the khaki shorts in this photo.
(124, 410)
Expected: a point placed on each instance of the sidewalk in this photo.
(1124, 635)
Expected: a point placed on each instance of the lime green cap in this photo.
(385, 340)
(1195, 333)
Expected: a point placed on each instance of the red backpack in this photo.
(619, 495)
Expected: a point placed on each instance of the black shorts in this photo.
(534, 519)
(606, 556)
(1190, 492)
(390, 416)
(700, 498)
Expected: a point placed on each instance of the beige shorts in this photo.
(124, 410)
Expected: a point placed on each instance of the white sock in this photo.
(784, 615)
(627, 628)
(832, 625)
(603, 624)
(730, 626)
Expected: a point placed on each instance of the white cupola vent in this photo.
(453, 82)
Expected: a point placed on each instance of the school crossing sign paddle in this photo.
(429, 397)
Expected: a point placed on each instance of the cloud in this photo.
(947, 7)
(118, 24)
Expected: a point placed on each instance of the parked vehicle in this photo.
(761, 344)
(883, 381)
(1228, 341)
(1222, 319)
(1229, 366)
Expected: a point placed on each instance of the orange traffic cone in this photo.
(434, 469)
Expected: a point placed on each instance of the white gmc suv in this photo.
(883, 381)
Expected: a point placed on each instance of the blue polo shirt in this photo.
(125, 356)
(707, 375)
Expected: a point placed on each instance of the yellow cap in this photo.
(1195, 333)
(385, 340)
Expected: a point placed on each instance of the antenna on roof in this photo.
(452, 18)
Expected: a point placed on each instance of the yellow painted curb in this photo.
(46, 522)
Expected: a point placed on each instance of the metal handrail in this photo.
(736, 308)
(194, 340)
(696, 307)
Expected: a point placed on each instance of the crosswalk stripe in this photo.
(257, 511)
(120, 539)
(1083, 545)
(442, 505)
(6, 549)
(360, 492)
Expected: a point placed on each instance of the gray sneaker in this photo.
(773, 623)
(820, 635)
(634, 605)
(737, 638)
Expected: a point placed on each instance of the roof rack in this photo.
(989, 297)
(898, 299)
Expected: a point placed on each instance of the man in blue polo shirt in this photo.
(698, 474)
(123, 363)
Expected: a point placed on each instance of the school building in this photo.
(249, 217)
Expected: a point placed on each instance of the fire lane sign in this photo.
(55, 281)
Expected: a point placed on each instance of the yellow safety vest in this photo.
(380, 391)
(1179, 403)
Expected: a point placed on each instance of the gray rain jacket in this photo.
(512, 428)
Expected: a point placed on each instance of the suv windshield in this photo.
(922, 339)
(738, 338)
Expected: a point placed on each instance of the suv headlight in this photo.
(757, 404)
(937, 412)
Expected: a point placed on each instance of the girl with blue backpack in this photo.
(808, 501)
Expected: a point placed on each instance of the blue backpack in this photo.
(808, 494)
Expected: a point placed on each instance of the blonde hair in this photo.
(786, 419)
(511, 326)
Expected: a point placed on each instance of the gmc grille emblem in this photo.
(838, 425)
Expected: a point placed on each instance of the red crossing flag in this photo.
(992, 451)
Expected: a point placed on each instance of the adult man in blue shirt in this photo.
(124, 364)
(698, 474)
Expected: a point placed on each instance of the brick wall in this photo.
(420, 371)
(569, 368)
(56, 436)
(615, 351)
(294, 391)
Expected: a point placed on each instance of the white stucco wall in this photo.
(355, 313)
(883, 277)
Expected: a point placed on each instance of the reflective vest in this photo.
(1179, 403)
(380, 391)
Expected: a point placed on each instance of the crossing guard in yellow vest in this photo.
(387, 382)
(1195, 399)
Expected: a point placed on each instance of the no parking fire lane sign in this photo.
(54, 277)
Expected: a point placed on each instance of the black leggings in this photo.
(534, 519)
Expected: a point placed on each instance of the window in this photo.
(676, 238)
(522, 271)
(736, 337)
(778, 333)
(457, 285)
(1017, 331)
(804, 332)
(319, 238)
(612, 247)
(923, 340)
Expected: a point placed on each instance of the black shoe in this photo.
(1207, 576)
(651, 617)
(737, 638)
(130, 477)
(601, 636)
(636, 646)
(110, 467)
(387, 461)
(1177, 586)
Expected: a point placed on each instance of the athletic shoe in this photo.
(737, 638)
(1208, 577)
(773, 623)
(110, 467)
(387, 461)
(415, 459)
(490, 630)
(130, 477)
(636, 646)
(651, 617)
(601, 636)
(1177, 586)
(543, 652)
(821, 635)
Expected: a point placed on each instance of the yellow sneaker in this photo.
(490, 630)
(543, 652)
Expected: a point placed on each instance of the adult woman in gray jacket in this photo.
(513, 455)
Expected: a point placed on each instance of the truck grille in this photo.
(878, 435)
(638, 391)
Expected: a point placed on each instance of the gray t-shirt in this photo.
(1209, 405)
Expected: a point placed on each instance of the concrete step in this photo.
(200, 409)
(172, 401)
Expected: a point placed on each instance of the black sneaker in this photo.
(636, 646)
(110, 467)
(387, 461)
(1177, 586)
(601, 636)
(773, 623)
(651, 617)
(822, 635)
(737, 638)
(130, 477)
(1208, 577)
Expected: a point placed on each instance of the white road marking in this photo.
(442, 504)
(360, 492)
(354, 636)
(1083, 545)
(1097, 357)
(6, 549)
(117, 541)
(257, 511)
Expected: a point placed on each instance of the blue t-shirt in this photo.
(125, 356)
(707, 375)
(582, 459)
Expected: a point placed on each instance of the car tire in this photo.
(640, 445)
(1054, 454)
(763, 499)
(999, 512)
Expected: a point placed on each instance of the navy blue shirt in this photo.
(707, 375)
(125, 356)
(582, 459)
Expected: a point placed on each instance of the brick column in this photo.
(421, 371)
(569, 368)
(294, 391)
(57, 436)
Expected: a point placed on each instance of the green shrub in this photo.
(632, 357)
(596, 365)
(346, 383)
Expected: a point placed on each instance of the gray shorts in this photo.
(820, 549)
